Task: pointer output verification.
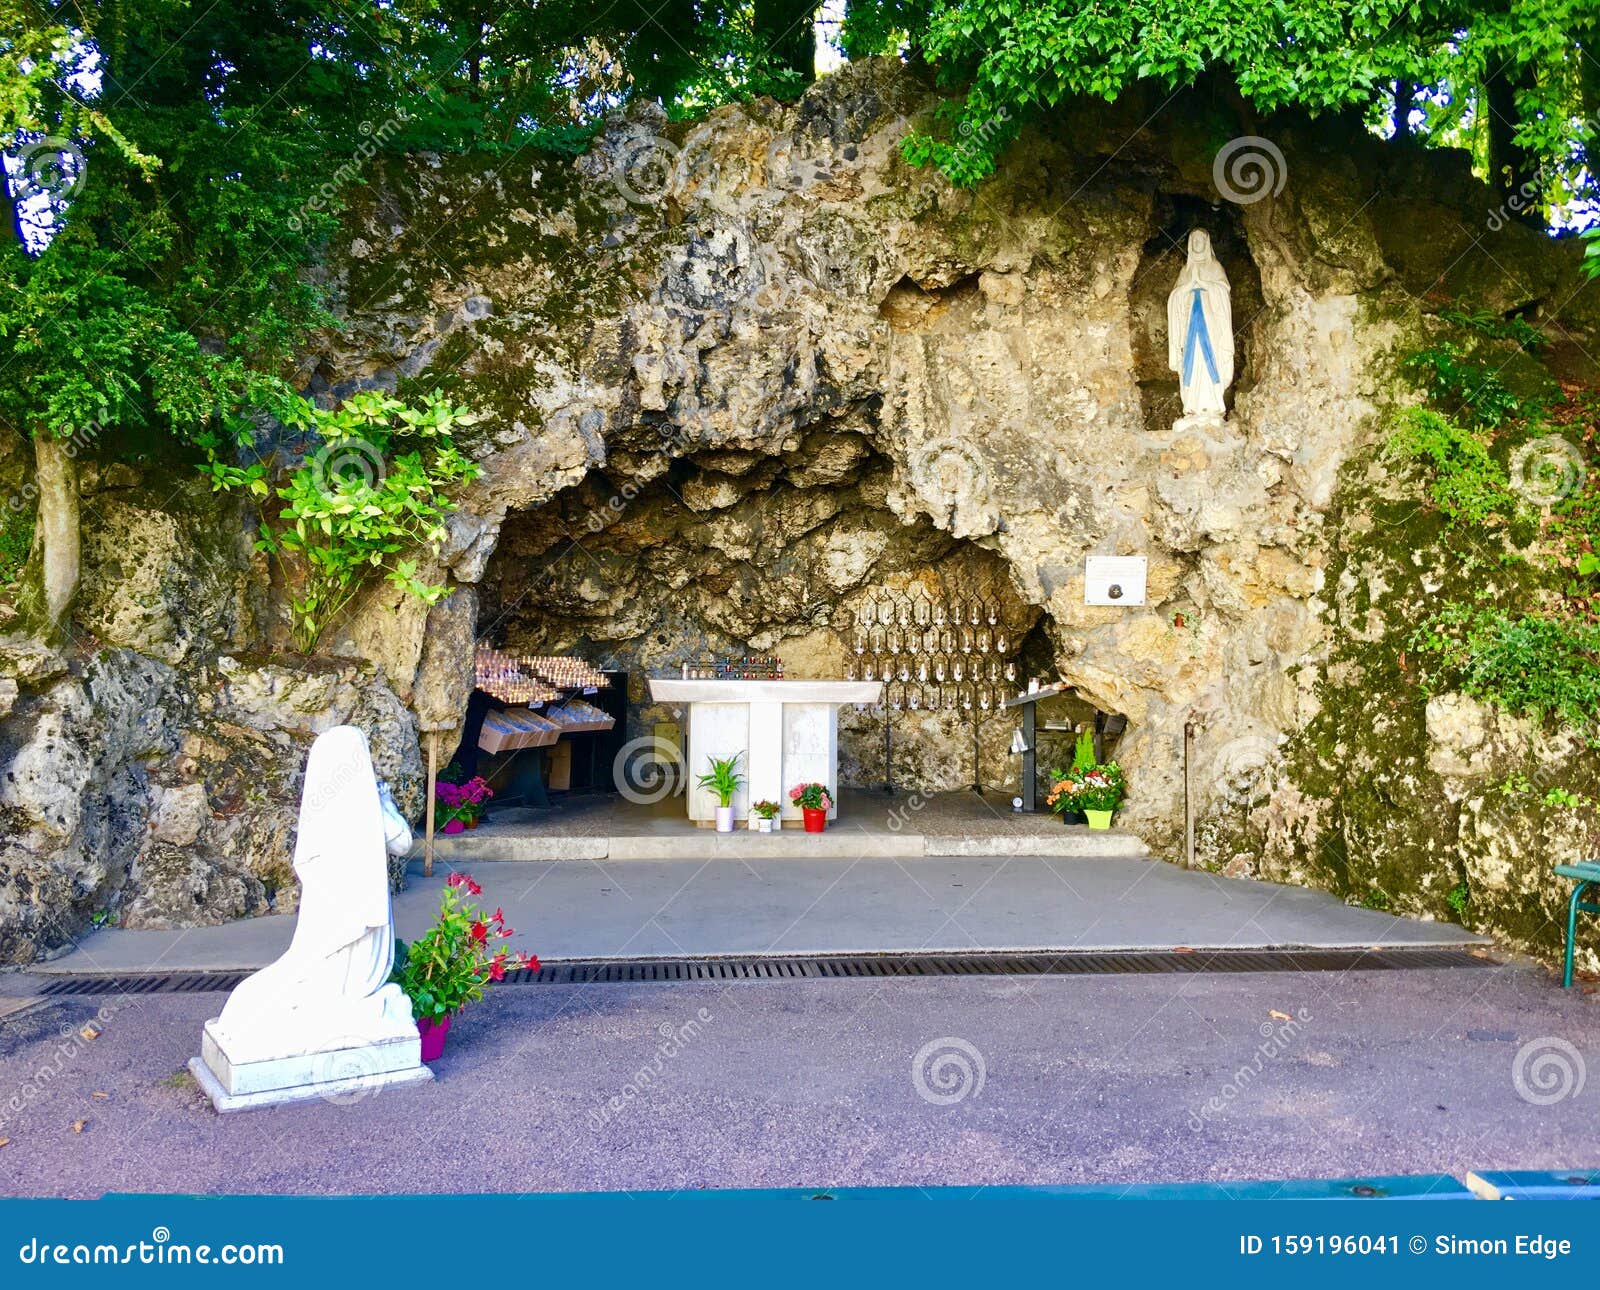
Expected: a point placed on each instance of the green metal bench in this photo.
(1585, 874)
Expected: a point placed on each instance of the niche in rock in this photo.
(735, 552)
(1163, 256)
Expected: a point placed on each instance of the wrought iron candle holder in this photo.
(952, 654)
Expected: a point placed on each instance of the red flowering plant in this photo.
(452, 963)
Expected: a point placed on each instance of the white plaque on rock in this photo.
(1115, 579)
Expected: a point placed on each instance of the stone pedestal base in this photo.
(344, 1074)
(1205, 422)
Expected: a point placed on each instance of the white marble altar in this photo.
(788, 731)
(322, 1021)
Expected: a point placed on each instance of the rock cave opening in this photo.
(652, 563)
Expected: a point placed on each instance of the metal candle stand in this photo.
(954, 654)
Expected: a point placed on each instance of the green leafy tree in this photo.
(1516, 81)
(361, 505)
(158, 183)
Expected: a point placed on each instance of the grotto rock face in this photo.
(737, 375)
(147, 774)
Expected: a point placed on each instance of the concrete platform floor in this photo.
(606, 826)
(596, 909)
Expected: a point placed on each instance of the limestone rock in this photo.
(180, 887)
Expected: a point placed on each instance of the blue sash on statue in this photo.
(1198, 333)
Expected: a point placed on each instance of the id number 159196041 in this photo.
(1319, 1243)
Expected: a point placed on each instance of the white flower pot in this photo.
(764, 825)
(724, 819)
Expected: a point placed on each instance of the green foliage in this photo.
(1466, 387)
(1466, 483)
(1513, 82)
(373, 491)
(723, 778)
(1376, 898)
(1083, 750)
(16, 536)
(811, 797)
(1492, 325)
(1536, 663)
(1459, 898)
(164, 286)
(1516, 784)
(1542, 659)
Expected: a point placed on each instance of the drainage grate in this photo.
(844, 966)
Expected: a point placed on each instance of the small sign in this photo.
(1114, 579)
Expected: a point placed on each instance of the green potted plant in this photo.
(814, 802)
(723, 779)
(766, 814)
(1063, 793)
(1100, 793)
(452, 963)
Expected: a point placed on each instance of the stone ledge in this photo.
(836, 843)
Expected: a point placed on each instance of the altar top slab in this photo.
(671, 689)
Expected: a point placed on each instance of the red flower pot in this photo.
(473, 822)
(433, 1033)
(816, 818)
(454, 826)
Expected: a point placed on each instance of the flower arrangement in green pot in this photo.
(723, 779)
(1060, 799)
(1099, 791)
(452, 963)
(766, 814)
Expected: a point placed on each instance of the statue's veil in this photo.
(339, 851)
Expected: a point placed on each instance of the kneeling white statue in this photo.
(322, 1021)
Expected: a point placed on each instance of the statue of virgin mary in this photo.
(1200, 332)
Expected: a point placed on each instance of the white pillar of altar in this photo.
(787, 730)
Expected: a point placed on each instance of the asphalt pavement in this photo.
(965, 1081)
